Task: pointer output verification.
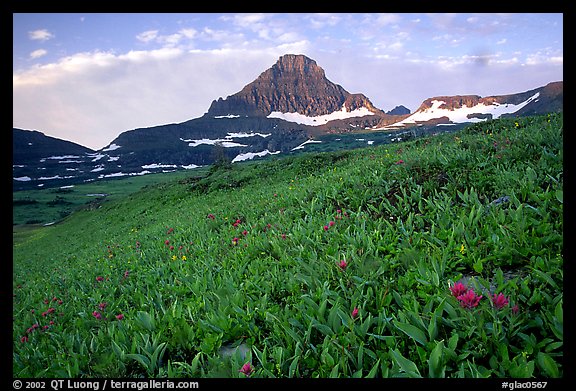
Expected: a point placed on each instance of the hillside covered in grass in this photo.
(438, 257)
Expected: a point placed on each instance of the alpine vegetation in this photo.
(437, 257)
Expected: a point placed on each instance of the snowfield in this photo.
(320, 119)
(226, 141)
(252, 155)
(301, 146)
(460, 115)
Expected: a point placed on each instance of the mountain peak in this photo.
(297, 64)
(294, 84)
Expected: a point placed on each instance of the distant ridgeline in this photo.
(289, 107)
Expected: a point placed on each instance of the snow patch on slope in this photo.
(460, 115)
(320, 119)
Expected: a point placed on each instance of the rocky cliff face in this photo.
(295, 84)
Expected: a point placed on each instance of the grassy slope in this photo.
(413, 219)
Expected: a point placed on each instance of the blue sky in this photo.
(88, 77)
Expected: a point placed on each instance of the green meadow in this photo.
(437, 257)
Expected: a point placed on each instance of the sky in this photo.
(88, 77)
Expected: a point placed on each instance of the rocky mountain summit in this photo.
(295, 84)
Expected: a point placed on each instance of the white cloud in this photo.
(386, 19)
(318, 21)
(40, 35)
(168, 40)
(38, 53)
(147, 36)
(501, 42)
(247, 20)
(104, 94)
(188, 33)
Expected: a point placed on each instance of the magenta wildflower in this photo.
(400, 161)
(102, 306)
(458, 289)
(343, 265)
(469, 299)
(354, 313)
(99, 278)
(167, 242)
(211, 216)
(24, 339)
(97, 315)
(331, 223)
(499, 300)
(515, 309)
(120, 316)
(246, 369)
(325, 228)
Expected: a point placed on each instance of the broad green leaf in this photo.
(412, 331)
(195, 362)
(334, 371)
(548, 365)
(560, 196)
(435, 362)
(432, 327)
(558, 312)
(145, 361)
(323, 329)
(119, 352)
(374, 371)
(327, 358)
(405, 364)
(157, 355)
(293, 369)
(146, 320)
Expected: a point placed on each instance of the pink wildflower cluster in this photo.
(500, 301)
(466, 297)
(338, 216)
(469, 299)
(99, 314)
(45, 314)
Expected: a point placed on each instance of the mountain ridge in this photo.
(294, 84)
(287, 106)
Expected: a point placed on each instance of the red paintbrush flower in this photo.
(499, 300)
(246, 369)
